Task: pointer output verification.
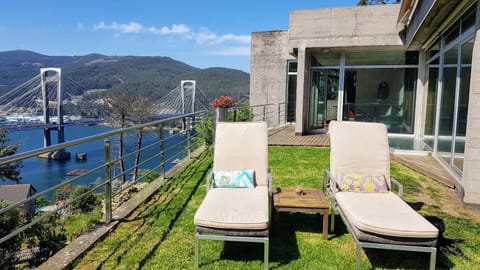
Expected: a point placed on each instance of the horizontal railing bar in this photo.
(33, 153)
(145, 161)
(174, 145)
(173, 136)
(48, 190)
(157, 142)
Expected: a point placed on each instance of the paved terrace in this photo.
(428, 166)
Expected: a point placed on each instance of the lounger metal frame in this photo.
(329, 185)
(252, 239)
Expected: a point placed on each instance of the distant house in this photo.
(19, 192)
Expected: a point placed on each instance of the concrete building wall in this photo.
(471, 167)
(268, 71)
(364, 26)
(303, 93)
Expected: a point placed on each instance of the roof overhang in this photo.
(428, 19)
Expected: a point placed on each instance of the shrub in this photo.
(49, 236)
(9, 221)
(208, 132)
(86, 203)
(63, 192)
(41, 202)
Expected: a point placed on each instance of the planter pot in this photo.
(221, 114)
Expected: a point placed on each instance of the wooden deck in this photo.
(286, 136)
(425, 165)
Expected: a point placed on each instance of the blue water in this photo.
(45, 173)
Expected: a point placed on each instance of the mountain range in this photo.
(149, 76)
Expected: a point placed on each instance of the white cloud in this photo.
(233, 51)
(236, 38)
(175, 29)
(204, 36)
(131, 27)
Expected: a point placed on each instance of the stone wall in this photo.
(471, 167)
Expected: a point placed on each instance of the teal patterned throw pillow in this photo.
(233, 179)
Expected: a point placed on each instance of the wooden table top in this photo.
(312, 199)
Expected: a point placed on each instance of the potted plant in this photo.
(221, 105)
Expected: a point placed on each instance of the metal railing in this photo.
(162, 151)
(176, 145)
(275, 114)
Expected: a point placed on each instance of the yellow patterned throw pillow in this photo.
(357, 182)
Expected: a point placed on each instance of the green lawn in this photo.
(160, 234)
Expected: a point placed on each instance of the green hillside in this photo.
(150, 76)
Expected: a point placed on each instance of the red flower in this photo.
(223, 102)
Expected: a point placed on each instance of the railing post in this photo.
(234, 115)
(264, 112)
(108, 182)
(189, 152)
(162, 151)
(204, 129)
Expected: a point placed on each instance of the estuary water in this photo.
(44, 173)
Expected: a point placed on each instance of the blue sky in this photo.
(202, 33)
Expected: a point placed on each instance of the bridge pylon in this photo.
(51, 78)
(187, 85)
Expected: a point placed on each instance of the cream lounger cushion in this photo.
(234, 208)
(384, 214)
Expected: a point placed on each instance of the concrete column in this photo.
(471, 167)
(303, 82)
(420, 98)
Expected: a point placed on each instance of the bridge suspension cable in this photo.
(27, 97)
(172, 103)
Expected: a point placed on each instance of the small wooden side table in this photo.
(313, 201)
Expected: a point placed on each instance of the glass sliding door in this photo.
(462, 108)
(447, 104)
(430, 114)
(384, 95)
(323, 98)
(291, 91)
(380, 86)
(449, 72)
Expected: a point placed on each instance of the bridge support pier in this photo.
(54, 81)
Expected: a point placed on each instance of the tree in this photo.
(8, 171)
(142, 112)
(376, 2)
(121, 104)
(129, 108)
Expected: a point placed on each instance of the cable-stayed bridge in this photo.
(185, 98)
(26, 101)
(41, 101)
